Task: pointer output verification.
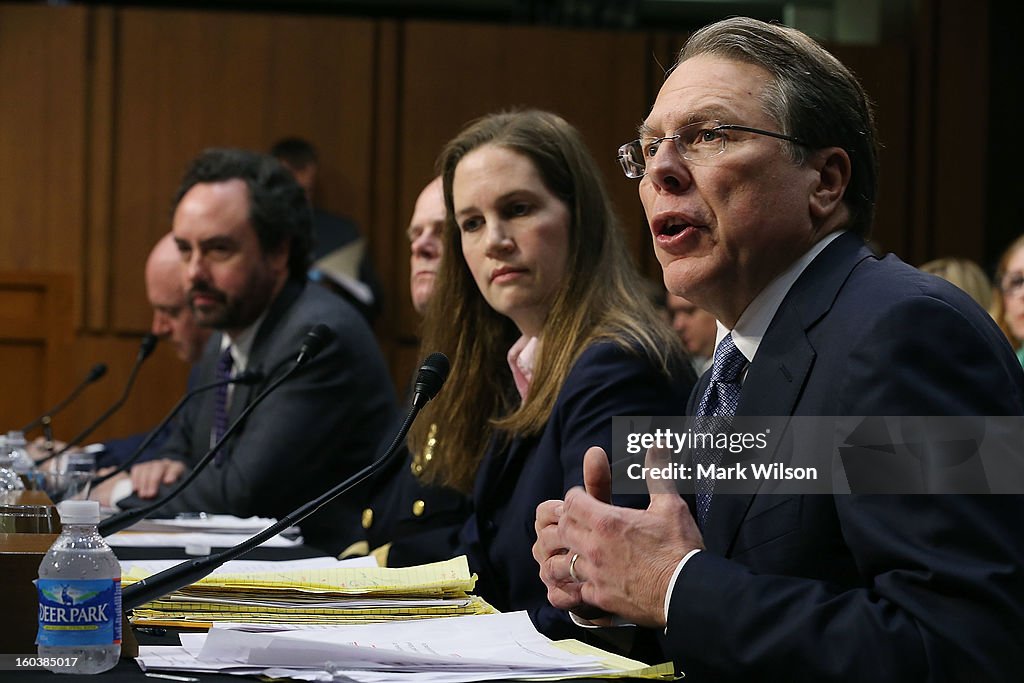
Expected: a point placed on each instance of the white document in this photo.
(176, 658)
(252, 566)
(202, 521)
(483, 643)
(449, 650)
(185, 539)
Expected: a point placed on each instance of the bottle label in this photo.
(79, 612)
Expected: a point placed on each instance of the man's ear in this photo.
(833, 167)
(278, 257)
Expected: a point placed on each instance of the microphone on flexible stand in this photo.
(429, 380)
(95, 373)
(249, 377)
(315, 341)
(145, 349)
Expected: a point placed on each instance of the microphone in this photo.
(97, 372)
(431, 376)
(248, 377)
(145, 349)
(315, 341)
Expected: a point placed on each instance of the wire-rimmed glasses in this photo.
(1011, 283)
(696, 142)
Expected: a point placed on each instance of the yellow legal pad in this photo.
(343, 595)
(617, 665)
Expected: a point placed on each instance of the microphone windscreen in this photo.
(148, 344)
(432, 375)
(316, 339)
(97, 371)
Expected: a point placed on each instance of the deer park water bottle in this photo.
(79, 596)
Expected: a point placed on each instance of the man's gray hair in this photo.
(812, 96)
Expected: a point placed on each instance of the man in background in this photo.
(339, 254)
(241, 224)
(425, 230)
(172, 321)
(696, 329)
(172, 317)
(409, 522)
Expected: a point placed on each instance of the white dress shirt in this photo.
(747, 336)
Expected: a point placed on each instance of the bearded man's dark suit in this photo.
(862, 587)
(322, 424)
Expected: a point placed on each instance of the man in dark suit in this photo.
(757, 174)
(341, 260)
(241, 224)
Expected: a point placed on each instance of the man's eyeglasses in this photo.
(1011, 283)
(696, 142)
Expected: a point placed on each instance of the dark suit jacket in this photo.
(331, 232)
(322, 424)
(420, 521)
(498, 538)
(858, 587)
(117, 451)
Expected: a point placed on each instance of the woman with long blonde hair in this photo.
(1008, 303)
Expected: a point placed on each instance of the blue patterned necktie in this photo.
(719, 401)
(220, 406)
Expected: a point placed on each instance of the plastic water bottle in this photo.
(10, 482)
(79, 596)
(18, 448)
(22, 462)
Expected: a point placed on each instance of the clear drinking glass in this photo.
(70, 476)
(29, 519)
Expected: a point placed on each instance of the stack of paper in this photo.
(202, 530)
(304, 593)
(471, 648)
(210, 524)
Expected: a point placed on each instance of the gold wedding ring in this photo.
(572, 567)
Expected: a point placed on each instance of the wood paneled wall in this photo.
(185, 81)
(102, 108)
(44, 58)
(35, 343)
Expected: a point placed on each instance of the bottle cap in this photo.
(79, 512)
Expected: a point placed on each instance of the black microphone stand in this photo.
(247, 377)
(97, 372)
(125, 519)
(183, 574)
(148, 343)
(319, 336)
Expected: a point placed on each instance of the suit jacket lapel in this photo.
(262, 347)
(777, 376)
(200, 414)
(772, 387)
